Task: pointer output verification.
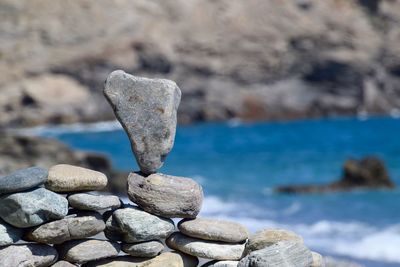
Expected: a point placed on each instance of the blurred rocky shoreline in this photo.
(258, 60)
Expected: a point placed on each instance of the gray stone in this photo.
(31, 208)
(166, 195)
(68, 178)
(63, 264)
(216, 230)
(138, 225)
(204, 248)
(221, 264)
(268, 237)
(22, 180)
(167, 259)
(8, 234)
(91, 201)
(73, 227)
(318, 260)
(81, 251)
(113, 231)
(28, 255)
(147, 110)
(280, 254)
(146, 249)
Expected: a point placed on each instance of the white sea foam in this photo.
(55, 130)
(352, 239)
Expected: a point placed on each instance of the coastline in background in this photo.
(239, 164)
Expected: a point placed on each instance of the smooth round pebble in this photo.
(280, 254)
(138, 225)
(216, 230)
(166, 195)
(32, 208)
(93, 202)
(268, 237)
(147, 249)
(81, 251)
(37, 255)
(8, 234)
(73, 227)
(22, 180)
(204, 248)
(68, 178)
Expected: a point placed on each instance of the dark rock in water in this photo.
(166, 195)
(147, 110)
(37, 255)
(22, 180)
(31, 208)
(368, 173)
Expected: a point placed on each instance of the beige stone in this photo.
(68, 178)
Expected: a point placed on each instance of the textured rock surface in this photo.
(22, 180)
(268, 237)
(318, 260)
(147, 110)
(221, 264)
(138, 225)
(333, 57)
(47, 98)
(211, 229)
(166, 195)
(28, 255)
(144, 249)
(9, 234)
(205, 249)
(281, 254)
(81, 251)
(93, 201)
(68, 178)
(69, 228)
(173, 259)
(31, 208)
(63, 264)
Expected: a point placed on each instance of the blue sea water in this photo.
(238, 165)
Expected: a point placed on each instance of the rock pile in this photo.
(56, 217)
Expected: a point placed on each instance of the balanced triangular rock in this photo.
(147, 110)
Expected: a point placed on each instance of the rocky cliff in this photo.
(252, 60)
